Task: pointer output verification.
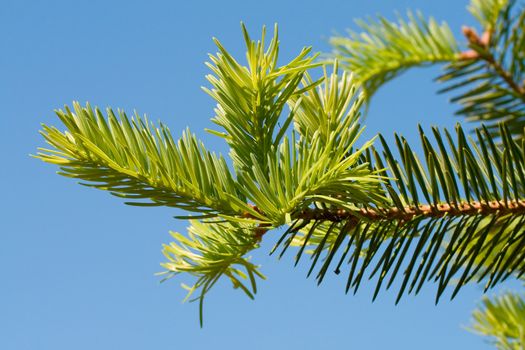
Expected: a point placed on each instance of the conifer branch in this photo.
(490, 76)
(483, 51)
(458, 211)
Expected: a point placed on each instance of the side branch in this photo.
(486, 55)
(506, 76)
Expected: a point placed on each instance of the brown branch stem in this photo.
(499, 208)
(520, 90)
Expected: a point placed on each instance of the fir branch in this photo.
(458, 211)
(491, 74)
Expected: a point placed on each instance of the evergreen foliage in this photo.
(455, 213)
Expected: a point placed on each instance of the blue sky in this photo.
(78, 266)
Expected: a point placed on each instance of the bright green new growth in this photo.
(210, 251)
(250, 100)
(383, 50)
(503, 319)
(134, 160)
(277, 173)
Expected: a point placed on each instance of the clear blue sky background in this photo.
(77, 266)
